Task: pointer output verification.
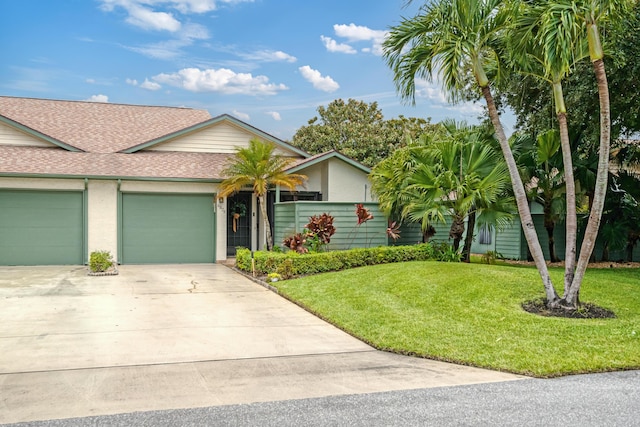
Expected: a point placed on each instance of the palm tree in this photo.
(257, 166)
(458, 40)
(463, 177)
(543, 171)
(541, 48)
(590, 14)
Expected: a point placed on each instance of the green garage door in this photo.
(41, 227)
(167, 228)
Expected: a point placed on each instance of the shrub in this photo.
(100, 261)
(445, 253)
(292, 264)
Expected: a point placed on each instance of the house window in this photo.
(313, 196)
(484, 236)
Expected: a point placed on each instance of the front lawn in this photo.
(471, 314)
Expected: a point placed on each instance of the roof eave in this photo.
(326, 156)
(211, 122)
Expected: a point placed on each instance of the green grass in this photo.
(471, 314)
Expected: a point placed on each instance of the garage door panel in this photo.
(167, 228)
(41, 228)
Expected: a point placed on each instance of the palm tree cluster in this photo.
(454, 173)
(473, 43)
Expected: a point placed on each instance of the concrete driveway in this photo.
(178, 336)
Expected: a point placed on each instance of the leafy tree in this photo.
(258, 167)
(357, 130)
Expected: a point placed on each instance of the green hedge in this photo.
(294, 264)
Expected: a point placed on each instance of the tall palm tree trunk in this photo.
(591, 233)
(521, 200)
(456, 231)
(468, 240)
(571, 218)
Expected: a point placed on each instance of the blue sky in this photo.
(270, 63)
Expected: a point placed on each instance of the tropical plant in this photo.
(463, 42)
(548, 51)
(259, 167)
(462, 176)
(297, 243)
(320, 228)
(456, 40)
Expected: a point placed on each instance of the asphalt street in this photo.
(608, 399)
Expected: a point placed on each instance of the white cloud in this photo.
(359, 33)
(145, 13)
(274, 115)
(91, 81)
(434, 94)
(242, 116)
(150, 20)
(98, 98)
(430, 91)
(269, 56)
(132, 82)
(334, 46)
(354, 32)
(170, 49)
(149, 85)
(221, 80)
(320, 82)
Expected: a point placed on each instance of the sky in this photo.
(270, 63)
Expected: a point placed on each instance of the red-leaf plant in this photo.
(321, 226)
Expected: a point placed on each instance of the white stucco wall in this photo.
(346, 183)
(314, 181)
(102, 217)
(42, 184)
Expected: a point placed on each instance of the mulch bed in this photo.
(585, 311)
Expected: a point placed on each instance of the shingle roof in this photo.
(96, 126)
(21, 161)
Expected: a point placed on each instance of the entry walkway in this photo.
(178, 336)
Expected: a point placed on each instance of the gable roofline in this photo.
(36, 134)
(319, 158)
(218, 119)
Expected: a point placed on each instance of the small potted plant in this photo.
(101, 264)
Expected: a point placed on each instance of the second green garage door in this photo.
(167, 228)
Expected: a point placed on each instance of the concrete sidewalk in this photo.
(179, 336)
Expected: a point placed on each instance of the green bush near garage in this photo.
(292, 264)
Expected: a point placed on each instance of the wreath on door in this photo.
(238, 210)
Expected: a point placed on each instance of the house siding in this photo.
(12, 136)
(218, 138)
